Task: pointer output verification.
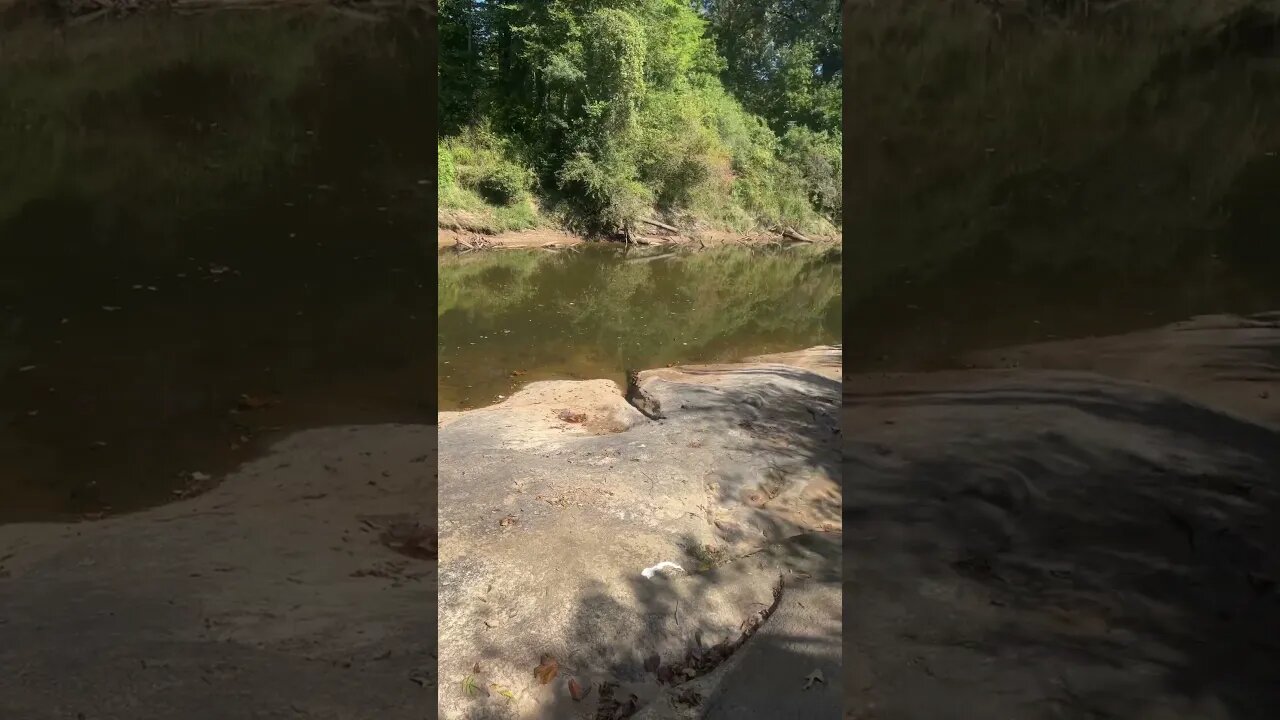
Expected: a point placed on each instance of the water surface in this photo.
(212, 233)
(510, 317)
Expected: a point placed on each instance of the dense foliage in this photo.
(602, 111)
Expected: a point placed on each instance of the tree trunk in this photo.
(664, 226)
(793, 235)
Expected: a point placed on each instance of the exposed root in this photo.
(472, 243)
(702, 661)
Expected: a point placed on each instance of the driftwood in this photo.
(793, 235)
(643, 240)
(662, 225)
(473, 243)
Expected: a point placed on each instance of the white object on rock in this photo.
(664, 565)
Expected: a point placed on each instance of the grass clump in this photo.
(483, 186)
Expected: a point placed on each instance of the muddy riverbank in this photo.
(466, 241)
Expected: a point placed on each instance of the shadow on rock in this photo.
(635, 573)
(1045, 543)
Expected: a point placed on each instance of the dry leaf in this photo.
(507, 521)
(476, 668)
(576, 691)
(546, 670)
(471, 688)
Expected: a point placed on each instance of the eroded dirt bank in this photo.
(465, 240)
(1074, 529)
(557, 504)
(302, 586)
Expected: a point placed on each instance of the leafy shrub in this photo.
(504, 184)
(816, 156)
(605, 193)
(446, 173)
(488, 164)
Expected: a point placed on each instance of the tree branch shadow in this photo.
(1110, 543)
(663, 639)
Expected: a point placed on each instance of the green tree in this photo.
(618, 108)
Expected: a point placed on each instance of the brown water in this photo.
(511, 317)
(992, 297)
(234, 226)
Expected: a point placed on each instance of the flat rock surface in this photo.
(301, 587)
(1083, 529)
(548, 524)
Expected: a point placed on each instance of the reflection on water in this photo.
(507, 318)
(213, 237)
(1098, 173)
(987, 298)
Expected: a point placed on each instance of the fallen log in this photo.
(662, 225)
(793, 235)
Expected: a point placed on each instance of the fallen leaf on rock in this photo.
(547, 669)
(508, 521)
(813, 677)
(476, 668)
(576, 691)
(504, 692)
(471, 689)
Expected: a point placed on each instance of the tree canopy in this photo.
(726, 111)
